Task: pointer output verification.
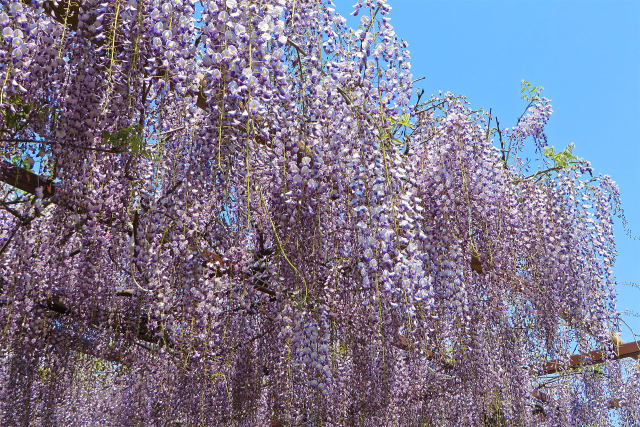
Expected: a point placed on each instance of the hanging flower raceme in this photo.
(245, 221)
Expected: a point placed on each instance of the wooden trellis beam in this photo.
(630, 349)
(24, 180)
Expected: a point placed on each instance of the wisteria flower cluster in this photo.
(242, 217)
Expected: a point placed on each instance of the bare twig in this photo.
(6, 243)
(505, 154)
(489, 125)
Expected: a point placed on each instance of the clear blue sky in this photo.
(586, 54)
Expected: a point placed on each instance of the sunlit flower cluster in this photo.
(254, 222)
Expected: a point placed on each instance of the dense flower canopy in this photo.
(250, 219)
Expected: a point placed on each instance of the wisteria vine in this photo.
(255, 222)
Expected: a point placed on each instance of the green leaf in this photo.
(598, 370)
(561, 159)
(128, 139)
(529, 92)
